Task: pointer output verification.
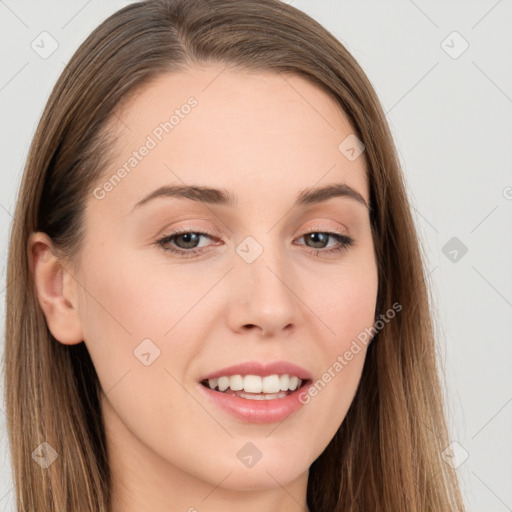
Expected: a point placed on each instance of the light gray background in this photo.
(452, 122)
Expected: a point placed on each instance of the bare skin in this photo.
(264, 138)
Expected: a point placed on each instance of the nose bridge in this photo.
(264, 294)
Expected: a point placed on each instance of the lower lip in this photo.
(257, 411)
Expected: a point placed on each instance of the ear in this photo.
(56, 290)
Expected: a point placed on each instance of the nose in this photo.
(261, 295)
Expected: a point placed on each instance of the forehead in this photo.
(250, 132)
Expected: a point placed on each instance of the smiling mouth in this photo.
(213, 386)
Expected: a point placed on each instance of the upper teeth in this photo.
(256, 384)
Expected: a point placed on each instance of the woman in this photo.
(198, 169)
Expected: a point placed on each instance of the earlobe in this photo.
(56, 290)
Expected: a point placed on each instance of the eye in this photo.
(321, 238)
(186, 243)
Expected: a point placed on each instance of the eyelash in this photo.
(344, 241)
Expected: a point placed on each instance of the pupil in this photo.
(189, 244)
(316, 236)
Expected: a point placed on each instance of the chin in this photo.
(262, 479)
(266, 473)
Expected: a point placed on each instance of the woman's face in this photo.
(249, 283)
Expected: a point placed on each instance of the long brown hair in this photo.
(386, 455)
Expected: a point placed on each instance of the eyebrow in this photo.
(221, 196)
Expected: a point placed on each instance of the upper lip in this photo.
(261, 369)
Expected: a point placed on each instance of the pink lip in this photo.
(258, 411)
(261, 369)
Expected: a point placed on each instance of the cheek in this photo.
(139, 321)
(133, 315)
(345, 301)
(136, 299)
